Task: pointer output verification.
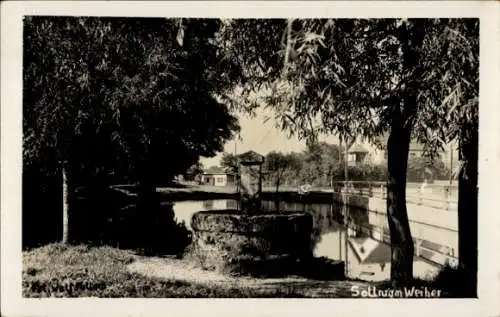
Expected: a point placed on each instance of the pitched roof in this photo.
(378, 254)
(250, 157)
(381, 254)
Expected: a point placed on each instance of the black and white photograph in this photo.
(273, 156)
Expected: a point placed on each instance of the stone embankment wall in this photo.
(238, 243)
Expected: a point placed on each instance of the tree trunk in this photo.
(65, 227)
(346, 161)
(398, 146)
(397, 215)
(467, 210)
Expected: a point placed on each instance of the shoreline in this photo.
(183, 192)
(72, 271)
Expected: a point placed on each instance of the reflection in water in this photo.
(184, 210)
(365, 258)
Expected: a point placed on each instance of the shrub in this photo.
(454, 281)
(105, 218)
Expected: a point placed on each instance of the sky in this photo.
(262, 137)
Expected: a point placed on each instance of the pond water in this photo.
(365, 258)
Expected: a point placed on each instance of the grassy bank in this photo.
(80, 271)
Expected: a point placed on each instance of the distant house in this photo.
(378, 154)
(356, 155)
(218, 176)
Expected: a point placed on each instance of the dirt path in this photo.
(173, 269)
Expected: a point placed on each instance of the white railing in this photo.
(445, 199)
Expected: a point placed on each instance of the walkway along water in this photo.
(433, 220)
(432, 215)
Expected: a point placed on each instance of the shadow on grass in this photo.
(81, 271)
(319, 269)
(106, 217)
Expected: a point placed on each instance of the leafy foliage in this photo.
(426, 168)
(121, 95)
(413, 78)
(194, 172)
(229, 162)
(322, 163)
(319, 167)
(277, 164)
(347, 76)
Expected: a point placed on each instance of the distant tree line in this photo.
(322, 163)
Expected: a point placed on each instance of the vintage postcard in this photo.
(236, 158)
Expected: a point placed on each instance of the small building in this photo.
(378, 154)
(218, 176)
(356, 155)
